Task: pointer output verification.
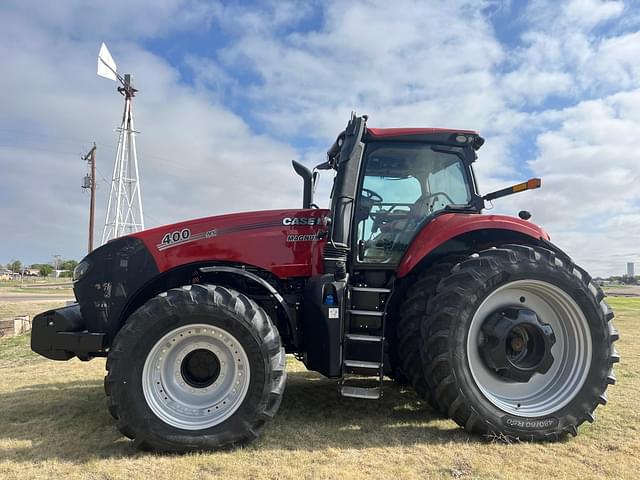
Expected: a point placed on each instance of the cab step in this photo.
(361, 367)
(363, 343)
(371, 289)
(368, 393)
(355, 337)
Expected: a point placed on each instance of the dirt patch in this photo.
(623, 291)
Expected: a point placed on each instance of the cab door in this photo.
(403, 185)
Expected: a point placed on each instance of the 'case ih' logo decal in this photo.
(309, 221)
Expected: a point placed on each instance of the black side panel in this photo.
(344, 194)
(322, 336)
(117, 270)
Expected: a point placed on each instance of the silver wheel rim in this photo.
(546, 393)
(179, 404)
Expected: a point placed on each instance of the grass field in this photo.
(11, 309)
(54, 424)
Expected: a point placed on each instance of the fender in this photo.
(262, 282)
(450, 225)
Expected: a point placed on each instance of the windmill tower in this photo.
(124, 210)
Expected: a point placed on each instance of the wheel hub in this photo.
(196, 376)
(517, 344)
(200, 368)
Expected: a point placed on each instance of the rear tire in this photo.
(413, 315)
(197, 368)
(553, 403)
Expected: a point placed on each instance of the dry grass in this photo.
(38, 286)
(53, 424)
(12, 309)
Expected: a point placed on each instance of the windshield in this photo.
(403, 184)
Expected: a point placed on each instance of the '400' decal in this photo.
(175, 237)
(179, 237)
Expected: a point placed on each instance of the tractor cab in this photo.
(399, 179)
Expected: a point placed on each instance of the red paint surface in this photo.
(399, 132)
(448, 226)
(261, 241)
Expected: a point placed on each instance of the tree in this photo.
(68, 265)
(628, 280)
(15, 266)
(45, 270)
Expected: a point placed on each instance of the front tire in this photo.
(196, 368)
(488, 400)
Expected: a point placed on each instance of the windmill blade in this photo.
(106, 66)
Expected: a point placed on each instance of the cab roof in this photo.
(444, 135)
(401, 132)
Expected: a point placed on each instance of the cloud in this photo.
(393, 61)
(588, 160)
(136, 19)
(566, 50)
(197, 158)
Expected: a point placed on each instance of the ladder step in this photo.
(367, 313)
(354, 337)
(370, 393)
(362, 364)
(370, 289)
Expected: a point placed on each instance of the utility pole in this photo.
(90, 183)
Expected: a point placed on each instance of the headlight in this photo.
(80, 271)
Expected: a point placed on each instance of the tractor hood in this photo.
(280, 241)
(286, 243)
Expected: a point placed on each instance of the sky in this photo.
(231, 92)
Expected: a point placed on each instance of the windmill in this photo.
(124, 210)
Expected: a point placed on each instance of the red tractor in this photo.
(491, 323)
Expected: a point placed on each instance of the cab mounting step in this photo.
(371, 289)
(355, 337)
(368, 393)
(363, 343)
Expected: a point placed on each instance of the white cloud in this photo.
(393, 61)
(131, 19)
(196, 157)
(588, 160)
(565, 51)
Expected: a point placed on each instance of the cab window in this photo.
(402, 185)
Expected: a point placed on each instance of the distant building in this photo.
(631, 269)
(8, 275)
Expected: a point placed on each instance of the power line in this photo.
(66, 141)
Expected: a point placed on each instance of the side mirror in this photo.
(308, 182)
